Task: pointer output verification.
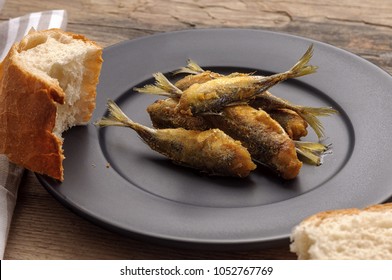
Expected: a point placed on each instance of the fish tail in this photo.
(308, 156)
(315, 147)
(301, 68)
(191, 68)
(311, 152)
(162, 82)
(311, 114)
(116, 117)
(162, 86)
(153, 89)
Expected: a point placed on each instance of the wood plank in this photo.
(363, 28)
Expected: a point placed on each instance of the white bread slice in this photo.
(352, 234)
(47, 85)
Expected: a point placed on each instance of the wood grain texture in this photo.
(43, 229)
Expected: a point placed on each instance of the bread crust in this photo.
(344, 212)
(28, 106)
(309, 243)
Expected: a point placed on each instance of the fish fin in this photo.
(320, 111)
(165, 84)
(238, 103)
(301, 68)
(116, 117)
(238, 74)
(108, 122)
(309, 157)
(311, 152)
(162, 86)
(315, 147)
(153, 89)
(310, 114)
(211, 114)
(191, 68)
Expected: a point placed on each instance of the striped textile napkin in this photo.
(13, 30)
(10, 175)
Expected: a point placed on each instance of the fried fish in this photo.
(266, 100)
(210, 151)
(294, 125)
(216, 94)
(264, 138)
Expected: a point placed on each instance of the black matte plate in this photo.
(112, 178)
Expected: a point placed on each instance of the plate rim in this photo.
(192, 242)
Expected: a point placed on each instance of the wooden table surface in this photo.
(43, 229)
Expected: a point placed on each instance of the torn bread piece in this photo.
(354, 234)
(47, 84)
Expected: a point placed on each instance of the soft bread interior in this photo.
(63, 61)
(362, 235)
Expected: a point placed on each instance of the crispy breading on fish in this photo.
(163, 114)
(211, 151)
(214, 95)
(266, 100)
(198, 75)
(294, 125)
(206, 99)
(199, 78)
(269, 102)
(264, 138)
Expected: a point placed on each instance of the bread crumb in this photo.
(107, 165)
